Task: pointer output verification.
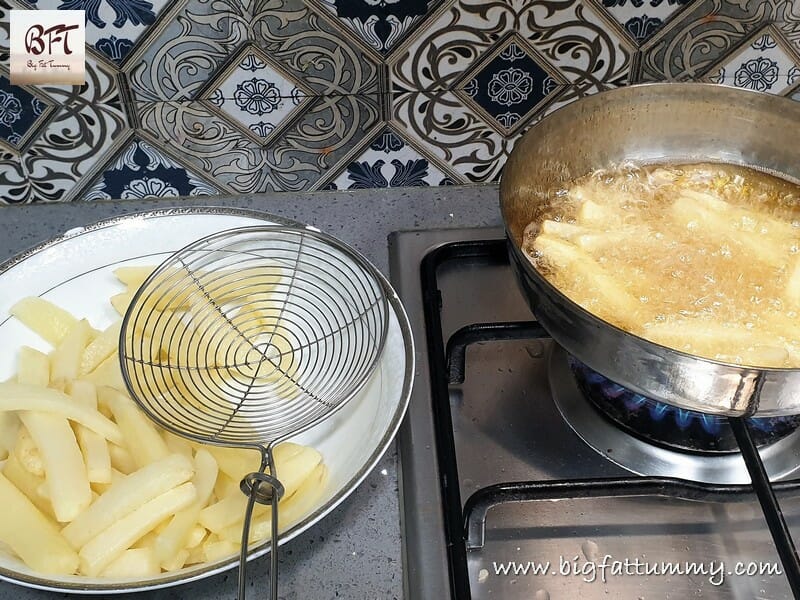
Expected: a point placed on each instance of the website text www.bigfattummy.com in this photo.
(602, 569)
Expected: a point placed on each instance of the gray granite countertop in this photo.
(354, 553)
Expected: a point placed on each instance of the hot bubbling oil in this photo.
(703, 258)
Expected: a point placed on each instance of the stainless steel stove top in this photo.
(507, 427)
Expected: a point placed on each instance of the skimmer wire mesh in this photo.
(250, 335)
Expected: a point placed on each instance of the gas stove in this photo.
(524, 474)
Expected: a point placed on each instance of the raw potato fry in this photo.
(43, 317)
(34, 367)
(108, 373)
(16, 396)
(93, 446)
(176, 533)
(178, 445)
(293, 463)
(106, 547)
(127, 495)
(134, 563)
(213, 551)
(28, 453)
(67, 483)
(600, 216)
(82, 453)
(103, 346)
(28, 484)
(102, 488)
(9, 427)
(31, 535)
(176, 561)
(290, 510)
(121, 459)
(65, 359)
(146, 444)
(121, 301)
(134, 276)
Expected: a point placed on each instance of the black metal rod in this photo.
(485, 332)
(479, 503)
(492, 252)
(765, 491)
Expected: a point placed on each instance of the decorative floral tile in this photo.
(184, 53)
(380, 23)
(20, 113)
(112, 26)
(694, 44)
(64, 145)
(257, 94)
(389, 161)
(142, 171)
(641, 19)
(574, 38)
(764, 64)
(510, 84)
(470, 80)
(318, 140)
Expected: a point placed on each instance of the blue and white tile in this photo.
(381, 24)
(510, 84)
(389, 162)
(21, 112)
(764, 64)
(112, 26)
(142, 171)
(257, 94)
(641, 19)
(574, 38)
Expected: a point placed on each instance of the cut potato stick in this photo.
(95, 455)
(16, 396)
(31, 535)
(65, 472)
(28, 453)
(103, 346)
(102, 488)
(600, 216)
(134, 563)
(28, 484)
(121, 459)
(126, 495)
(570, 258)
(44, 318)
(34, 367)
(744, 219)
(176, 533)
(196, 536)
(134, 276)
(217, 550)
(65, 359)
(771, 250)
(291, 510)
(145, 442)
(9, 428)
(176, 561)
(121, 301)
(108, 373)
(102, 550)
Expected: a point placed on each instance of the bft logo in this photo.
(48, 46)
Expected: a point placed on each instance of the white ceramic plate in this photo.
(75, 272)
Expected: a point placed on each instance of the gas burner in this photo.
(666, 425)
(651, 438)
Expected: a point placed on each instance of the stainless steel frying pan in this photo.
(654, 123)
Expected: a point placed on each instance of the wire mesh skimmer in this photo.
(250, 336)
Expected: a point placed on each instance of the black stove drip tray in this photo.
(665, 425)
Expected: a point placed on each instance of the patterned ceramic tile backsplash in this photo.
(205, 97)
